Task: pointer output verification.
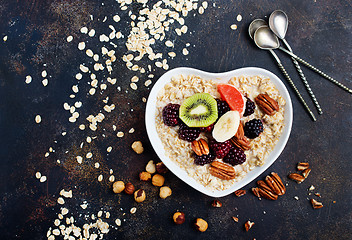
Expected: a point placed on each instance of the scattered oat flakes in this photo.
(296, 197)
(96, 165)
(112, 178)
(233, 26)
(118, 222)
(201, 10)
(311, 188)
(168, 43)
(84, 30)
(120, 134)
(91, 33)
(109, 149)
(185, 51)
(116, 18)
(28, 79)
(45, 82)
(131, 130)
(38, 119)
(81, 45)
(133, 210)
(69, 38)
(38, 175)
(147, 83)
(100, 178)
(44, 74)
(42, 179)
(61, 201)
(4, 38)
(89, 155)
(133, 86)
(239, 18)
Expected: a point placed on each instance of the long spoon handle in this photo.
(316, 70)
(304, 80)
(292, 85)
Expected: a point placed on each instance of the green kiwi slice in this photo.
(199, 110)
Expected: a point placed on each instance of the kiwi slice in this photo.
(199, 110)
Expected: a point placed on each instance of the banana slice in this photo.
(226, 127)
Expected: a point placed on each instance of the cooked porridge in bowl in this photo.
(269, 111)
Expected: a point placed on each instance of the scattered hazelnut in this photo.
(150, 168)
(161, 168)
(129, 188)
(158, 180)
(216, 203)
(248, 225)
(145, 176)
(201, 225)
(179, 217)
(165, 192)
(137, 147)
(118, 186)
(139, 195)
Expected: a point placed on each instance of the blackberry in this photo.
(188, 133)
(207, 129)
(170, 115)
(221, 149)
(235, 156)
(223, 107)
(253, 128)
(250, 106)
(204, 159)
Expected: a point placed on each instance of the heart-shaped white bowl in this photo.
(220, 77)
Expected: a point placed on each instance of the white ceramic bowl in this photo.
(221, 77)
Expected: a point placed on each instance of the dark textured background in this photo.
(320, 32)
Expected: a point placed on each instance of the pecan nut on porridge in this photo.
(233, 126)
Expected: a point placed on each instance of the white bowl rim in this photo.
(224, 76)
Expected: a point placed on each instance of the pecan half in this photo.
(256, 192)
(216, 203)
(316, 204)
(273, 185)
(297, 177)
(222, 170)
(267, 194)
(200, 147)
(240, 193)
(279, 183)
(240, 140)
(267, 104)
(302, 166)
(306, 172)
(235, 219)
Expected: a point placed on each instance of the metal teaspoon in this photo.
(278, 23)
(266, 39)
(267, 43)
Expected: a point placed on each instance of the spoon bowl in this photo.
(255, 24)
(266, 39)
(278, 22)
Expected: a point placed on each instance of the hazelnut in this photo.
(137, 147)
(158, 180)
(165, 192)
(201, 225)
(161, 168)
(129, 188)
(179, 217)
(150, 168)
(145, 176)
(118, 186)
(139, 195)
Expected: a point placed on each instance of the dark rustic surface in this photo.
(320, 32)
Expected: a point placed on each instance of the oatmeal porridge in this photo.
(180, 152)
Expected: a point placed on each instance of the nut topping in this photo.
(200, 147)
(267, 194)
(248, 225)
(279, 183)
(306, 172)
(235, 219)
(267, 104)
(271, 188)
(297, 177)
(240, 140)
(222, 170)
(216, 203)
(256, 192)
(272, 184)
(302, 166)
(240, 193)
(316, 204)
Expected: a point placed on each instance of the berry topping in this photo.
(207, 129)
(221, 149)
(223, 107)
(253, 128)
(188, 133)
(250, 106)
(204, 159)
(235, 156)
(170, 114)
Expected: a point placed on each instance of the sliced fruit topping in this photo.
(221, 149)
(204, 159)
(253, 128)
(233, 97)
(235, 156)
(199, 110)
(188, 133)
(170, 114)
(250, 107)
(226, 127)
(223, 107)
